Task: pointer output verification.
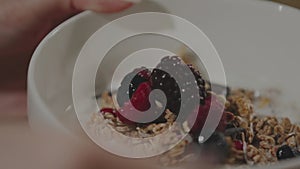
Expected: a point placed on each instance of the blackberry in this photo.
(200, 82)
(130, 83)
(285, 152)
(162, 80)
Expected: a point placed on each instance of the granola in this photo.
(260, 136)
(243, 136)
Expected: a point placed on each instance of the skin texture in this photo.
(23, 149)
(23, 24)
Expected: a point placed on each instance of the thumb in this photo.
(105, 6)
(24, 23)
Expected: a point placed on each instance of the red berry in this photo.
(127, 112)
(129, 115)
(202, 113)
(108, 110)
(140, 98)
(238, 144)
(130, 83)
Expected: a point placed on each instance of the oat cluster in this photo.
(252, 138)
(261, 135)
(142, 131)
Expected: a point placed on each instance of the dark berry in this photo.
(130, 83)
(200, 82)
(163, 81)
(137, 85)
(284, 152)
(168, 83)
(238, 144)
(296, 152)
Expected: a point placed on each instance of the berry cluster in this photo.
(137, 85)
(190, 82)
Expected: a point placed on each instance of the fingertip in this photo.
(103, 6)
(114, 6)
(133, 1)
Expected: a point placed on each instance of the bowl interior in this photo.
(257, 43)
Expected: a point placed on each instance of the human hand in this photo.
(23, 23)
(21, 148)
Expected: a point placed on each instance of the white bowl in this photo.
(258, 41)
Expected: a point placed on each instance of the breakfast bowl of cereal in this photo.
(257, 110)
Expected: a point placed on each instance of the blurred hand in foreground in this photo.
(23, 24)
(23, 149)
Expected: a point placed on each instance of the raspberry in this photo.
(130, 83)
(238, 144)
(108, 110)
(202, 113)
(139, 103)
(129, 113)
(140, 98)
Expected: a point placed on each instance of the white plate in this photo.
(258, 41)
